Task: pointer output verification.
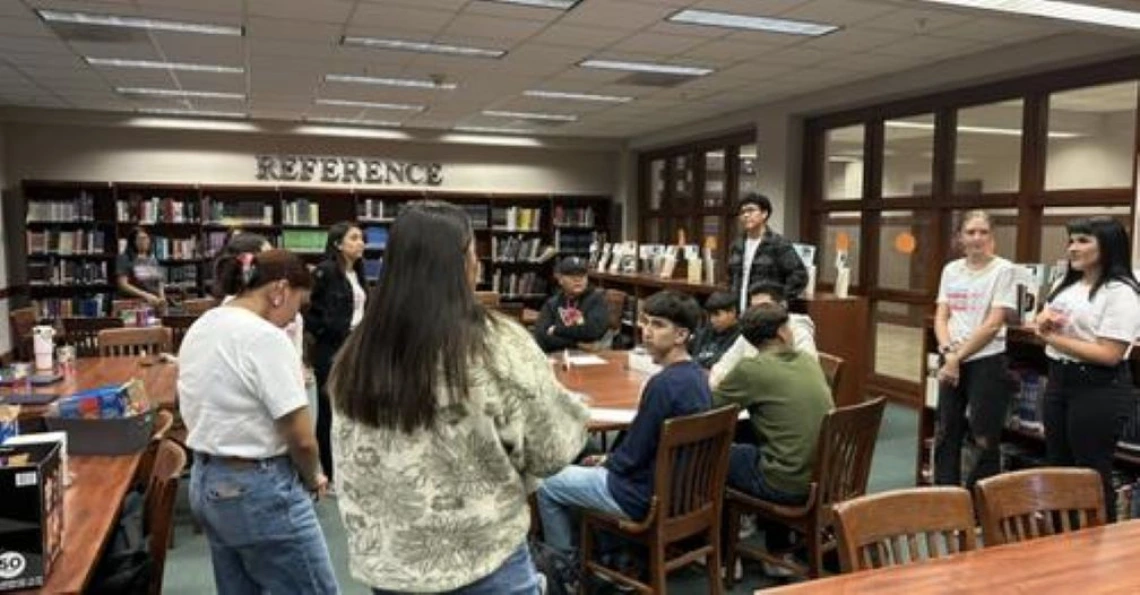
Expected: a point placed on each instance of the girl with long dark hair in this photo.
(137, 272)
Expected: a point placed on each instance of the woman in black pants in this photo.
(336, 306)
(1089, 324)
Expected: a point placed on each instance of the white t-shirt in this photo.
(750, 246)
(237, 373)
(971, 294)
(358, 298)
(294, 330)
(1113, 314)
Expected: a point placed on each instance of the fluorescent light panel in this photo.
(1055, 9)
(108, 20)
(752, 23)
(975, 129)
(531, 115)
(184, 112)
(351, 122)
(646, 67)
(576, 96)
(177, 93)
(404, 45)
(492, 129)
(371, 104)
(154, 65)
(559, 4)
(389, 82)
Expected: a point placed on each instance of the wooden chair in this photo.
(904, 526)
(178, 325)
(124, 342)
(843, 455)
(198, 306)
(488, 299)
(832, 369)
(691, 467)
(163, 422)
(83, 332)
(1024, 505)
(22, 320)
(158, 505)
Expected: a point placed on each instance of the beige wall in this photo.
(5, 330)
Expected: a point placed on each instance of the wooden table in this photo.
(1092, 561)
(609, 385)
(90, 372)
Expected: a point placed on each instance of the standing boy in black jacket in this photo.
(719, 333)
(576, 314)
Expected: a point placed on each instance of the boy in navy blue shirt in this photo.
(622, 483)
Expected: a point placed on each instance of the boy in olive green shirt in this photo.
(787, 396)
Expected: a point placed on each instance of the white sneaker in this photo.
(777, 571)
(737, 571)
(747, 526)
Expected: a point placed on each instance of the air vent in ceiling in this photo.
(654, 79)
(96, 33)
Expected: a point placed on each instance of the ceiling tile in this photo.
(292, 30)
(506, 30)
(513, 11)
(228, 51)
(324, 11)
(616, 14)
(401, 18)
(751, 7)
(580, 36)
(837, 12)
(914, 21)
(927, 46)
(854, 40)
(656, 43)
(727, 52)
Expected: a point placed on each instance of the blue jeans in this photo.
(261, 526)
(744, 475)
(558, 496)
(516, 576)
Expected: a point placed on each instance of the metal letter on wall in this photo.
(348, 170)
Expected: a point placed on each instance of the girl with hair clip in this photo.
(256, 468)
(1089, 324)
(337, 307)
(974, 295)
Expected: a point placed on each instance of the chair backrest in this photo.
(161, 492)
(488, 299)
(121, 342)
(1033, 503)
(22, 320)
(843, 454)
(832, 370)
(904, 526)
(615, 303)
(178, 325)
(163, 421)
(83, 332)
(198, 306)
(692, 465)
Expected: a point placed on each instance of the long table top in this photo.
(1092, 561)
(90, 372)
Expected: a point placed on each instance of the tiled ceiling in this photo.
(289, 45)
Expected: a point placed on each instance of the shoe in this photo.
(737, 571)
(541, 583)
(747, 526)
(777, 571)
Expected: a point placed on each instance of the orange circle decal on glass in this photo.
(905, 243)
(842, 241)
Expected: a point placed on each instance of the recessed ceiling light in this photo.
(578, 96)
(184, 112)
(351, 122)
(372, 104)
(646, 67)
(752, 23)
(389, 82)
(1055, 9)
(976, 129)
(177, 93)
(108, 20)
(404, 45)
(559, 4)
(492, 129)
(531, 115)
(151, 64)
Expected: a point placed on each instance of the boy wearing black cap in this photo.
(576, 314)
(719, 333)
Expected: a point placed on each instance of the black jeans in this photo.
(321, 368)
(985, 386)
(1086, 406)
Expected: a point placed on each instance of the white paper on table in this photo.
(585, 359)
(608, 415)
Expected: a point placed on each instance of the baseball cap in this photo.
(571, 265)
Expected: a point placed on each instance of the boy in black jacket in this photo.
(719, 333)
(576, 314)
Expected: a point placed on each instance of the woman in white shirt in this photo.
(1089, 324)
(974, 295)
(256, 471)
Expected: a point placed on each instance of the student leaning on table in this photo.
(801, 325)
(256, 471)
(1089, 324)
(444, 412)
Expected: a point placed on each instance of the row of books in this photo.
(374, 208)
(372, 268)
(301, 212)
(59, 272)
(81, 208)
(575, 242)
(237, 213)
(173, 248)
(304, 240)
(157, 210)
(183, 274)
(479, 215)
(520, 249)
(91, 305)
(79, 241)
(516, 218)
(575, 216)
(376, 237)
(512, 284)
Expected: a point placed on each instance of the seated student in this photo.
(622, 483)
(803, 331)
(574, 315)
(787, 396)
(719, 333)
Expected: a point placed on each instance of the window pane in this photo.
(1091, 137)
(908, 156)
(1003, 229)
(989, 148)
(656, 183)
(1054, 236)
(652, 230)
(748, 171)
(682, 181)
(843, 170)
(905, 250)
(837, 229)
(714, 179)
(710, 228)
(898, 339)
